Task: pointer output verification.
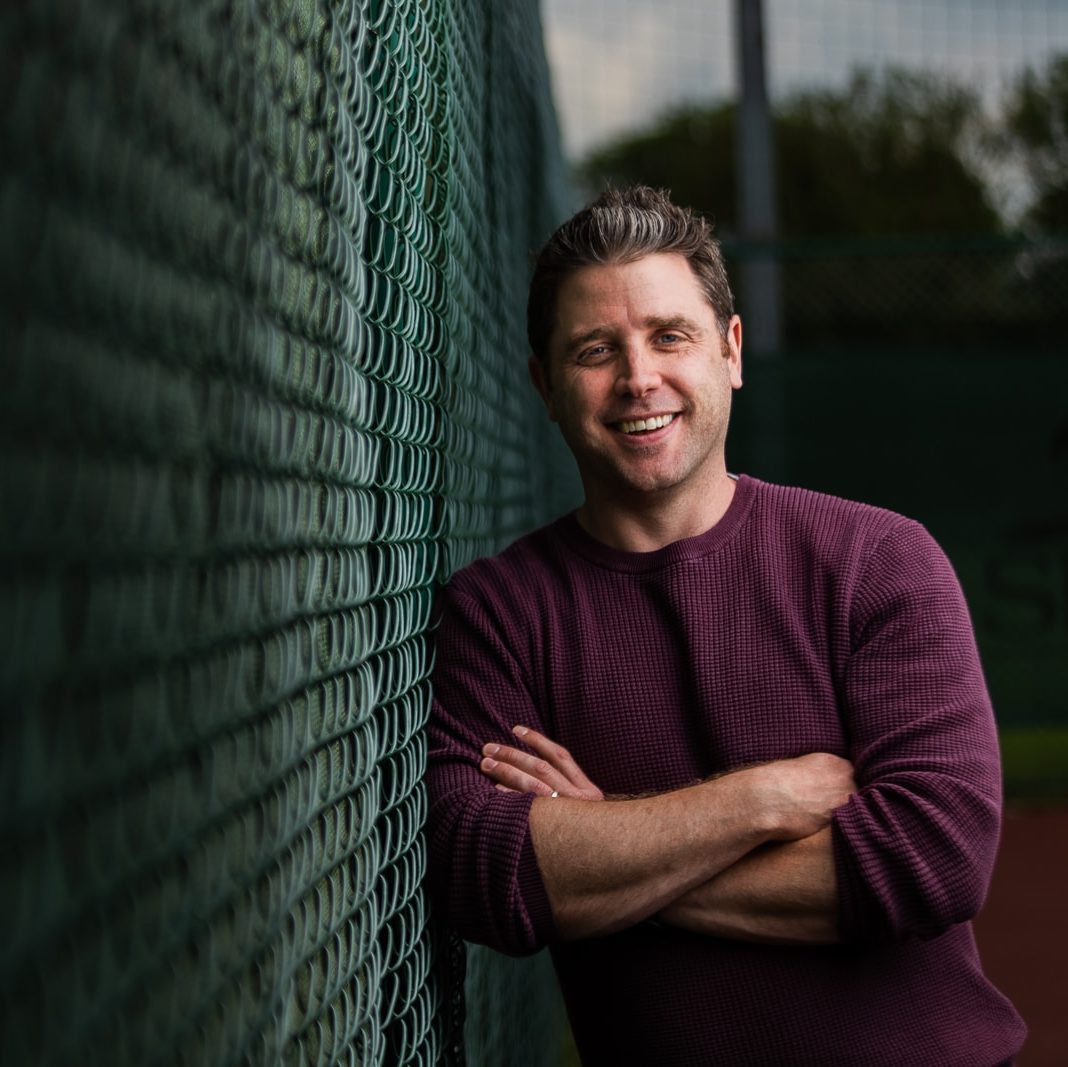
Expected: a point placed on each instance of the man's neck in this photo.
(654, 521)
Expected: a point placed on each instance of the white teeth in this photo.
(637, 425)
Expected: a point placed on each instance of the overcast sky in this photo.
(617, 64)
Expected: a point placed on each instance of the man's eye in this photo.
(669, 338)
(594, 353)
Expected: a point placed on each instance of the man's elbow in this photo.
(482, 921)
(483, 880)
(905, 889)
(947, 897)
(913, 911)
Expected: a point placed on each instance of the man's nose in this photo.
(639, 372)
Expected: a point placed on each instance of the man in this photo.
(779, 690)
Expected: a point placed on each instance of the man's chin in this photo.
(649, 482)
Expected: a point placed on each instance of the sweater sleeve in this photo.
(483, 872)
(914, 847)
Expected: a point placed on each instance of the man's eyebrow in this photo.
(579, 339)
(673, 322)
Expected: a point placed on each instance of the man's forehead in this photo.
(653, 269)
(655, 289)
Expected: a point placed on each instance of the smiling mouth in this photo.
(646, 425)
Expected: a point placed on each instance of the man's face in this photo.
(636, 342)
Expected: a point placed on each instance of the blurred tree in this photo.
(690, 151)
(887, 154)
(1036, 123)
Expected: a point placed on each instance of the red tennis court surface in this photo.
(1023, 930)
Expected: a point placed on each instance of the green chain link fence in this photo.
(261, 288)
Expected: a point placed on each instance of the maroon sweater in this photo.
(799, 623)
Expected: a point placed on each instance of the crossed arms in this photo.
(745, 855)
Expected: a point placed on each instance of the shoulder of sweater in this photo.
(792, 506)
(836, 534)
(511, 569)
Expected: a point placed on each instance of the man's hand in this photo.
(550, 771)
(795, 797)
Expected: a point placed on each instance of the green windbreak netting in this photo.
(261, 285)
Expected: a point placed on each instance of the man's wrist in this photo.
(740, 797)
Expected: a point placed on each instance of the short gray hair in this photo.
(620, 226)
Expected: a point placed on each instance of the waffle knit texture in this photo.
(799, 623)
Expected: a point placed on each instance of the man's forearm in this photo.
(609, 865)
(782, 893)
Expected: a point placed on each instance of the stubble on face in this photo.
(694, 381)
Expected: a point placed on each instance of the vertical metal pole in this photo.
(759, 266)
(758, 217)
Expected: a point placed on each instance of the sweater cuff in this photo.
(532, 891)
(858, 921)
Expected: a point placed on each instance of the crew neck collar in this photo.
(702, 544)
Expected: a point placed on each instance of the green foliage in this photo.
(885, 155)
(690, 152)
(1037, 134)
(1035, 763)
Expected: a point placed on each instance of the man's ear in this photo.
(733, 351)
(539, 376)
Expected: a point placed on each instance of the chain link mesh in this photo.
(263, 384)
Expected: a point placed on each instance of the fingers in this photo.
(549, 768)
(559, 758)
(521, 772)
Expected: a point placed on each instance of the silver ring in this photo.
(554, 793)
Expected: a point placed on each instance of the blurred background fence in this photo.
(263, 383)
(919, 169)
